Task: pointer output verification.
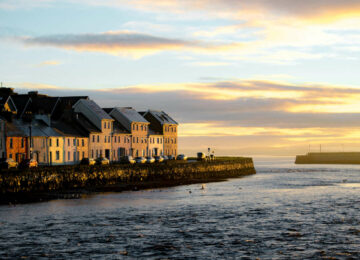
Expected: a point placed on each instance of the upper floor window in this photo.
(142, 128)
(109, 139)
(134, 127)
(22, 142)
(98, 139)
(115, 139)
(11, 143)
(105, 139)
(77, 142)
(57, 155)
(74, 141)
(82, 142)
(104, 124)
(50, 142)
(68, 140)
(94, 138)
(109, 125)
(137, 127)
(57, 142)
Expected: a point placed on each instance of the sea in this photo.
(285, 211)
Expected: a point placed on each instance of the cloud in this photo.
(116, 43)
(251, 121)
(49, 63)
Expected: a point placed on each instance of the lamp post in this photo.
(30, 142)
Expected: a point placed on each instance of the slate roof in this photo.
(162, 117)
(96, 109)
(42, 104)
(20, 102)
(69, 129)
(118, 128)
(86, 125)
(131, 114)
(65, 103)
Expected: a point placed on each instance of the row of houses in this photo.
(64, 130)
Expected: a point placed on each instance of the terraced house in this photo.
(99, 126)
(137, 125)
(162, 123)
(64, 130)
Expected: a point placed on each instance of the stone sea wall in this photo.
(118, 177)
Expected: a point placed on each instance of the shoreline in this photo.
(74, 182)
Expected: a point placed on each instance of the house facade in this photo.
(16, 141)
(99, 127)
(137, 125)
(155, 144)
(161, 122)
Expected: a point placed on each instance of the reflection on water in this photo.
(283, 212)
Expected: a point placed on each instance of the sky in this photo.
(251, 77)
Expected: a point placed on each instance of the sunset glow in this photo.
(275, 76)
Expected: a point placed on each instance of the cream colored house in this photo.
(155, 144)
(98, 125)
(136, 125)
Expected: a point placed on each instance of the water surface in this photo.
(282, 212)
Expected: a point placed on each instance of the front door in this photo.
(107, 153)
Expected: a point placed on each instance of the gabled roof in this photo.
(131, 114)
(162, 117)
(86, 124)
(68, 129)
(97, 110)
(6, 99)
(21, 103)
(42, 104)
(118, 128)
(65, 103)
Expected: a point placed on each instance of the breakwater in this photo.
(45, 183)
(329, 158)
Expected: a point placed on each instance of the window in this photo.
(142, 128)
(133, 139)
(68, 141)
(137, 128)
(82, 142)
(57, 155)
(83, 154)
(11, 143)
(105, 139)
(68, 155)
(98, 139)
(134, 127)
(101, 153)
(142, 140)
(109, 125)
(175, 129)
(175, 141)
(158, 140)
(115, 139)
(92, 153)
(105, 125)
(119, 139)
(50, 142)
(77, 142)
(22, 142)
(74, 156)
(57, 142)
(137, 139)
(74, 142)
(43, 143)
(97, 153)
(10, 155)
(94, 138)
(109, 139)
